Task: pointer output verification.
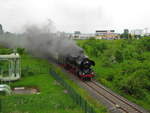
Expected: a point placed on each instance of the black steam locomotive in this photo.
(80, 66)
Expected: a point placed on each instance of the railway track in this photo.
(118, 102)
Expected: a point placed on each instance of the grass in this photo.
(52, 97)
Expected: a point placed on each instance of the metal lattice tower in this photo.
(14, 69)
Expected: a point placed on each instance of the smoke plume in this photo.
(42, 41)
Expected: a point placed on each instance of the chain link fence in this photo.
(75, 96)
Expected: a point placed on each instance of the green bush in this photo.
(5, 51)
(142, 76)
(21, 50)
(123, 66)
(144, 45)
(119, 56)
(132, 86)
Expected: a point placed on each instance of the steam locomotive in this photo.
(79, 65)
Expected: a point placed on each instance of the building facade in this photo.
(106, 34)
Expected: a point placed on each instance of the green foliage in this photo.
(94, 48)
(5, 51)
(118, 56)
(131, 85)
(123, 65)
(21, 50)
(143, 45)
(9, 51)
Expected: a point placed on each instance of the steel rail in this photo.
(95, 86)
(118, 97)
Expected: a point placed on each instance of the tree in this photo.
(1, 29)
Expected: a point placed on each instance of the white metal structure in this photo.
(14, 67)
(5, 88)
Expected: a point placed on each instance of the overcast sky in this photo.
(71, 15)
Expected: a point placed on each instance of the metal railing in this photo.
(75, 96)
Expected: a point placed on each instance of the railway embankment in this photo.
(114, 102)
(69, 79)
